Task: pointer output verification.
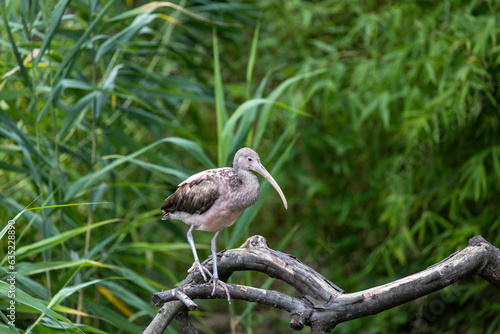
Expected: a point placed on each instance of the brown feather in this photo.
(194, 197)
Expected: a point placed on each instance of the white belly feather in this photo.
(215, 219)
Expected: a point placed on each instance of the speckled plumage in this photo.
(215, 198)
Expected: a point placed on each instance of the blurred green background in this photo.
(379, 119)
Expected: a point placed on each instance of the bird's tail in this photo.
(165, 216)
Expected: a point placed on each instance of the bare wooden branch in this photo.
(261, 296)
(185, 323)
(179, 294)
(322, 304)
(164, 317)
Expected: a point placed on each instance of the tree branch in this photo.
(322, 304)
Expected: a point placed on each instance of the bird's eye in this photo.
(249, 159)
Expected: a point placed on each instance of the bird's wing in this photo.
(195, 195)
(201, 175)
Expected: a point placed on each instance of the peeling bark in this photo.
(322, 304)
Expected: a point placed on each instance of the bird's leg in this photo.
(215, 277)
(196, 264)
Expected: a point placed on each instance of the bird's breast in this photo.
(244, 198)
(219, 217)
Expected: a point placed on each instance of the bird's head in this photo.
(247, 158)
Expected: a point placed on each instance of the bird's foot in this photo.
(203, 270)
(216, 281)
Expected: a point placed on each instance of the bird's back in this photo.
(197, 194)
(194, 197)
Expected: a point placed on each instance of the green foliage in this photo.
(379, 120)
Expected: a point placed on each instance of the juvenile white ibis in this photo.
(214, 199)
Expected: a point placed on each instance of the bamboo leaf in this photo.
(64, 205)
(84, 182)
(227, 135)
(154, 167)
(68, 61)
(125, 35)
(77, 111)
(25, 299)
(495, 157)
(266, 112)
(13, 45)
(52, 241)
(108, 86)
(13, 94)
(153, 247)
(251, 60)
(220, 104)
(54, 22)
(62, 294)
(28, 269)
(117, 302)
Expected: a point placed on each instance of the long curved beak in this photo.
(259, 168)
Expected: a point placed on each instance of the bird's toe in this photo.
(216, 282)
(203, 270)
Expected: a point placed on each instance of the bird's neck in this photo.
(250, 188)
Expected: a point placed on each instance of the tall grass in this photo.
(98, 108)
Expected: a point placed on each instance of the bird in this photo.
(213, 199)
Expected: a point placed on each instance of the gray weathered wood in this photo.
(322, 304)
